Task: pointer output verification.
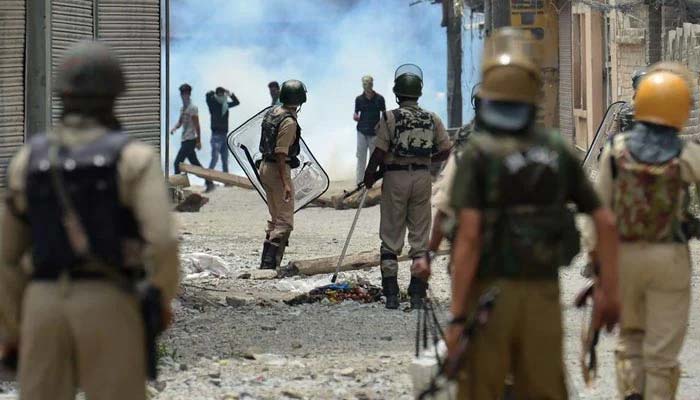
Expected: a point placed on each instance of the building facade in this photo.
(34, 35)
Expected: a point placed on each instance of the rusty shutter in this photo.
(12, 27)
(566, 110)
(132, 29)
(71, 22)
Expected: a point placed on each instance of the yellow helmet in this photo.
(510, 70)
(664, 97)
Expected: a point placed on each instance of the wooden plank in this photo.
(217, 176)
(327, 265)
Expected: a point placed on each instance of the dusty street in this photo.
(254, 346)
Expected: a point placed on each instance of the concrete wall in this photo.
(683, 45)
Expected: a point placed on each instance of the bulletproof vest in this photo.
(91, 182)
(649, 194)
(414, 132)
(270, 129)
(529, 230)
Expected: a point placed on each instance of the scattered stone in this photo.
(296, 345)
(263, 274)
(268, 328)
(215, 382)
(387, 338)
(183, 367)
(191, 203)
(159, 385)
(348, 373)
(245, 275)
(232, 301)
(291, 394)
(215, 375)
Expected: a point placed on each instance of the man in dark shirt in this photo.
(219, 102)
(368, 108)
(274, 87)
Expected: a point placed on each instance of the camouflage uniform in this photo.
(655, 268)
(410, 136)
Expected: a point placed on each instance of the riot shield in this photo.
(605, 129)
(309, 179)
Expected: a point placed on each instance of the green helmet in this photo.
(408, 81)
(293, 92)
(90, 69)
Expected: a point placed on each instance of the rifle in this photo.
(152, 311)
(590, 335)
(450, 367)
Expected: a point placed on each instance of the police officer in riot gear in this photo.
(409, 139)
(280, 147)
(514, 231)
(625, 118)
(644, 177)
(87, 202)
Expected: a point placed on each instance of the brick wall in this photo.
(629, 49)
(683, 45)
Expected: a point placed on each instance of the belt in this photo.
(406, 167)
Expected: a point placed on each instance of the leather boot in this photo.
(391, 292)
(280, 251)
(417, 289)
(269, 257)
(635, 396)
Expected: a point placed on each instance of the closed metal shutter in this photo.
(71, 22)
(566, 110)
(12, 26)
(132, 29)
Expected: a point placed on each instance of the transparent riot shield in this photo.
(606, 128)
(309, 179)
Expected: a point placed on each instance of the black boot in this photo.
(269, 257)
(280, 251)
(635, 396)
(417, 289)
(391, 292)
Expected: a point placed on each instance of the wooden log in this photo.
(337, 202)
(327, 265)
(217, 176)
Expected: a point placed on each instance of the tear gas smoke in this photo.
(329, 45)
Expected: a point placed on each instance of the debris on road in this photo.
(339, 292)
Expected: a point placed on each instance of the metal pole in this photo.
(167, 88)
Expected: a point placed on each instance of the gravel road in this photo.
(253, 346)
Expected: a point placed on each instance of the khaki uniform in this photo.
(405, 195)
(655, 295)
(281, 222)
(85, 333)
(523, 335)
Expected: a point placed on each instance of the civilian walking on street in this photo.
(219, 102)
(368, 108)
(191, 133)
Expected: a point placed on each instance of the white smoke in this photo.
(329, 45)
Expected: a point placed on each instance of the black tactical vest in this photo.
(91, 181)
(414, 132)
(270, 129)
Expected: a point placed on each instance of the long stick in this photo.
(352, 229)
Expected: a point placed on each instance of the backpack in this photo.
(525, 237)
